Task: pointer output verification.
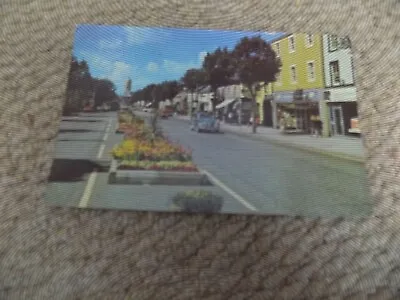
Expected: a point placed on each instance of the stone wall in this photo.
(48, 253)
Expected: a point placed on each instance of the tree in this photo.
(219, 67)
(193, 79)
(170, 89)
(79, 86)
(256, 65)
(104, 91)
(137, 96)
(159, 94)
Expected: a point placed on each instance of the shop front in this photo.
(267, 110)
(235, 111)
(298, 111)
(343, 111)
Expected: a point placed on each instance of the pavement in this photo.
(343, 147)
(253, 175)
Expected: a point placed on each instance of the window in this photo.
(278, 49)
(334, 72)
(292, 45)
(293, 75)
(278, 79)
(333, 42)
(345, 43)
(311, 71)
(309, 40)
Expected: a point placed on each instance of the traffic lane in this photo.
(77, 145)
(81, 137)
(276, 179)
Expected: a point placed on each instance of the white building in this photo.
(340, 89)
(201, 99)
(234, 100)
(180, 100)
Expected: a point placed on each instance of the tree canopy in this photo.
(104, 91)
(155, 93)
(194, 78)
(82, 87)
(219, 68)
(255, 64)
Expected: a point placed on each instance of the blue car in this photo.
(204, 122)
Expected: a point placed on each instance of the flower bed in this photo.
(144, 150)
(158, 166)
(127, 121)
(159, 150)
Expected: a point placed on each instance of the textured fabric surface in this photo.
(48, 253)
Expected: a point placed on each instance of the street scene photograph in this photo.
(210, 121)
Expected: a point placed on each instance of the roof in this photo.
(205, 89)
(280, 38)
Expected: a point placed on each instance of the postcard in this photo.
(210, 121)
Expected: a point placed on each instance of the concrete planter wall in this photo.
(118, 176)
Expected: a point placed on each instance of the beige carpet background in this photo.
(48, 253)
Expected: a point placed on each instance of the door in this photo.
(337, 120)
(267, 113)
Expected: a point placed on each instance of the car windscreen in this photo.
(206, 118)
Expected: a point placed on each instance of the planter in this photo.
(121, 176)
(199, 201)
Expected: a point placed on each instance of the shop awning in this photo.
(225, 103)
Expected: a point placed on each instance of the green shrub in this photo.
(198, 201)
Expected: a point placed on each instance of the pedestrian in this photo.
(250, 120)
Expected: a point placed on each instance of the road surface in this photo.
(252, 176)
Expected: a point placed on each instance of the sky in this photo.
(149, 54)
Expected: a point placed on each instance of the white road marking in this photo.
(87, 193)
(105, 137)
(101, 151)
(229, 191)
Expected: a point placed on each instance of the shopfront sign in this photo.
(298, 96)
(312, 95)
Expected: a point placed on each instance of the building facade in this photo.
(236, 104)
(201, 99)
(180, 102)
(302, 72)
(340, 90)
(265, 105)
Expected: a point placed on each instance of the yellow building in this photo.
(260, 99)
(301, 72)
(264, 113)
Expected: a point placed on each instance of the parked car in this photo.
(148, 109)
(168, 110)
(204, 122)
(88, 108)
(164, 114)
